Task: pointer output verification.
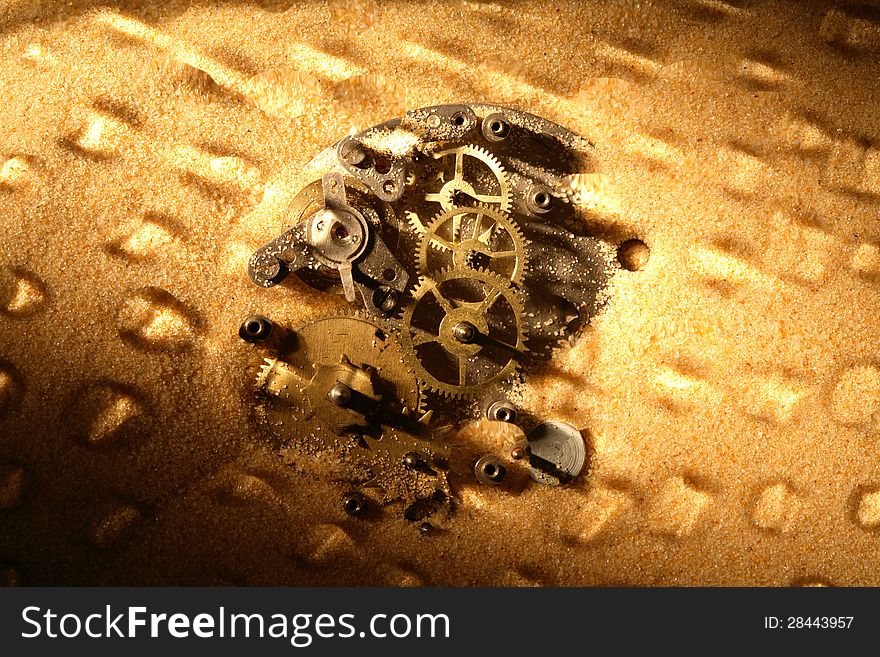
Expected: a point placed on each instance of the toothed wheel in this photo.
(397, 477)
(464, 175)
(342, 395)
(477, 238)
(463, 331)
(354, 349)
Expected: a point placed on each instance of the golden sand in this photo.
(731, 387)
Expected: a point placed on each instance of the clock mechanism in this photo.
(456, 236)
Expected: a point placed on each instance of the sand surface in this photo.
(731, 387)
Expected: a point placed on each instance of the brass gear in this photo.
(493, 187)
(353, 348)
(388, 471)
(475, 237)
(487, 303)
(361, 353)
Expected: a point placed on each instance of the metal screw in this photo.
(340, 394)
(542, 200)
(464, 332)
(271, 269)
(354, 503)
(495, 127)
(502, 411)
(490, 470)
(413, 460)
(385, 298)
(389, 186)
(352, 153)
(517, 453)
(255, 328)
(539, 199)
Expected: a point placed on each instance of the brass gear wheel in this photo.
(358, 349)
(356, 442)
(488, 184)
(480, 301)
(478, 237)
(407, 466)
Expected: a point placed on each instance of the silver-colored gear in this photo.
(453, 297)
(494, 188)
(474, 237)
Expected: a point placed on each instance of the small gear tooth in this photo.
(264, 369)
(415, 222)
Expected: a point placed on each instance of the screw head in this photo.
(413, 460)
(517, 453)
(354, 504)
(339, 394)
(386, 298)
(490, 470)
(255, 328)
(464, 332)
(353, 153)
(502, 411)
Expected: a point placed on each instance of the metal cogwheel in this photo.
(488, 184)
(353, 348)
(463, 331)
(478, 237)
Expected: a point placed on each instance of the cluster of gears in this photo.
(455, 235)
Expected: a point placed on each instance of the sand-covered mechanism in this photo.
(730, 382)
(456, 233)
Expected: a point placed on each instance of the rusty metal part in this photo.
(472, 201)
(343, 391)
(335, 237)
(354, 349)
